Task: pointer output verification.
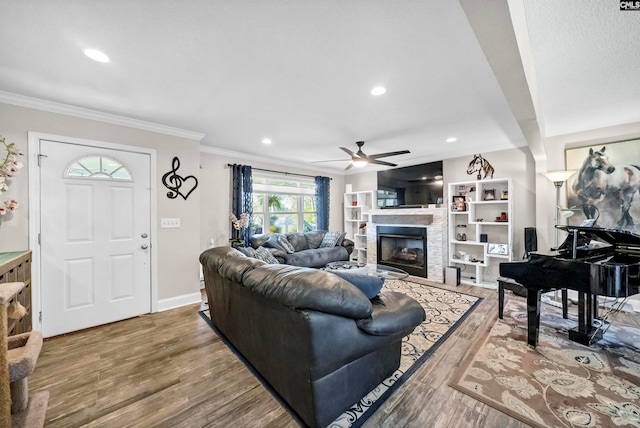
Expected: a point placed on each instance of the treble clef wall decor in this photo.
(174, 182)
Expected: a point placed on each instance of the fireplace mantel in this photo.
(433, 219)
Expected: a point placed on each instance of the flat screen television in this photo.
(410, 186)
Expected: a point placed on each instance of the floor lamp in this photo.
(558, 178)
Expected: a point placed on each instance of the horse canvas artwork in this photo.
(606, 185)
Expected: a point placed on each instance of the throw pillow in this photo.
(330, 239)
(272, 242)
(341, 238)
(265, 255)
(247, 251)
(284, 242)
(368, 284)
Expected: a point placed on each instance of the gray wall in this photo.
(178, 249)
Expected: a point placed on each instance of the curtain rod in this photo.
(280, 172)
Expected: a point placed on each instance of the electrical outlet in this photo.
(166, 223)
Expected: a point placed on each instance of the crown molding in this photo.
(83, 113)
(260, 158)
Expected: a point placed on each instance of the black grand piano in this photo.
(593, 261)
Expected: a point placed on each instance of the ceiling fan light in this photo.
(378, 90)
(96, 55)
(359, 163)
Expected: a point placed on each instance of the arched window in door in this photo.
(98, 167)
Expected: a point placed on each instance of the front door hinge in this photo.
(38, 239)
(40, 317)
(40, 156)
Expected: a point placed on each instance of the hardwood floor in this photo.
(169, 369)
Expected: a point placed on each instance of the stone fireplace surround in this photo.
(433, 219)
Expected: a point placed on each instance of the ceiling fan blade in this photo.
(379, 162)
(384, 155)
(349, 152)
(349, 166)
(331, 160)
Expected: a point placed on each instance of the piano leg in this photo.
(533, 315)
(587, 305)
(565, 303)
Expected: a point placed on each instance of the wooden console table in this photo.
(16, 267)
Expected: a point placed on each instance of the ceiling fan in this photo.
(360, 159)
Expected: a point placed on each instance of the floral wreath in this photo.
(9, 165)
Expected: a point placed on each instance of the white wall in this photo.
(216, 195)
(177, 250)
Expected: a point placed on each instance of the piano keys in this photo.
(592, 261)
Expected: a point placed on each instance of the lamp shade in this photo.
(558, 176)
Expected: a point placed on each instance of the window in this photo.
(283, 205)
(98, 167)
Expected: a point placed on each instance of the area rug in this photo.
(445, 312)
(559, 383)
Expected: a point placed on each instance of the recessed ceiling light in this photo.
(378, 90)
(96, 55)
(266, 141)
(452, 140)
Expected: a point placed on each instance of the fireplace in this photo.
(403, 247)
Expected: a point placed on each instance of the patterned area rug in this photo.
(559, 383)
(445, 311)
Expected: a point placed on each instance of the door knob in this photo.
(144, 235)
(144, 246)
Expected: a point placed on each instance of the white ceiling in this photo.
(300, 72)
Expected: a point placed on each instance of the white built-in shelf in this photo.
(357, 212)
(465, 222)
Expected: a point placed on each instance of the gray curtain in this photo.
(241, 201)
(322, 202)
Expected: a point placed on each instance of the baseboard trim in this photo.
(177, 301)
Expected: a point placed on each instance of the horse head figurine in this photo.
(480, 165)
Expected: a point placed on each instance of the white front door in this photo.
(95, 246)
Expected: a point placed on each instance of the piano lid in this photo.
(611, 236)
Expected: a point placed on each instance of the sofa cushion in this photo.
(393, 313)
(304, 288)
(273, 242)
(235, 268)
(316, 258)
(298, 240)
(265, 255)
(213, 257)
(314, 238)
(370, 285)
(330, 239)
(284, 243)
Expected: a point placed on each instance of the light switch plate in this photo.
(166, 223)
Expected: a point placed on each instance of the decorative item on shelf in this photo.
(500, 249)
(461, 237)
(480, 165)
(459, 203)
(489, 195)
(484, 237)
(502, 217)
(504, 195)
(363, 228)
(478, 220)
(174, 182)
(354, 203)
